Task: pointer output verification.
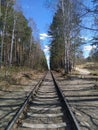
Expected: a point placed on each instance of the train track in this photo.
(45, 108)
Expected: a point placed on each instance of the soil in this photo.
(82, 71)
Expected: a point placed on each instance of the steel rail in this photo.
(74, 123)
(20, 110)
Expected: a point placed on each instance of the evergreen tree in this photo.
(65, 36)
(57, 43)
(18, 45)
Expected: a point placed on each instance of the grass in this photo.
(74, 72)
(6, 75)
(91, 66)
(13, 69)
(10, 74)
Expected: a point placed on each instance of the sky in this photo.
(87, 21)
(36, 9)
(42, 16)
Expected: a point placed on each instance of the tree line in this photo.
(94, 52)
(65, 32)
(19, 42)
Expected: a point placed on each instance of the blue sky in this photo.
(87, 21)
(36, 9)
(42, 16)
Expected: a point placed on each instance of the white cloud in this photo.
(89, 47)
(46, 48)
(43, 36)
(48, 59)
(46, 51)
(86, 38)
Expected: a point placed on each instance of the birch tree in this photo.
(3, 30)
(19, 45)
(70, 22)
(13, 37)
(65, 32)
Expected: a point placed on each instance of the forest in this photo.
(19, 41)
(20, 44)
(49, 64)
(67, 26)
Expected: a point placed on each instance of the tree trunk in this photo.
(12, 41)
(65, 41)
(3, 32)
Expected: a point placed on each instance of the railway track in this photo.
(45, 108)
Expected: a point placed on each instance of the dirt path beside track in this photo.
(82, 71)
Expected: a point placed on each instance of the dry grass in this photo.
(91, 66)
(18, 76)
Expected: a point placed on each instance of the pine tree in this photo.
(65, 36)
(18, 45)
(57, 43)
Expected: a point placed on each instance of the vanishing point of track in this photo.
(45, 108)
